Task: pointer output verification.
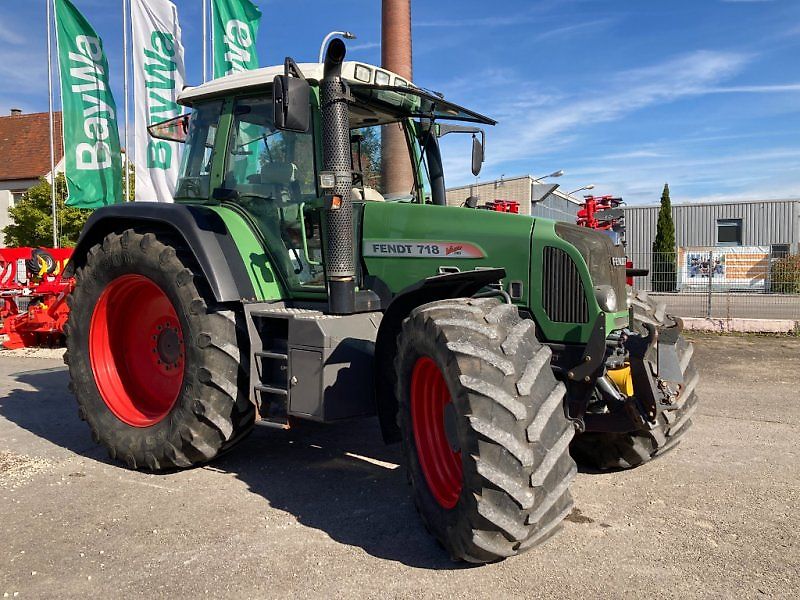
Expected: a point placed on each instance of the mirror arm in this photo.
(290, 69)
(446, 128)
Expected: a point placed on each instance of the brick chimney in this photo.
(398, 175)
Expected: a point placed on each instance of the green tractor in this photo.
(310, 270)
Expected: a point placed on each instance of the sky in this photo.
(626, 95)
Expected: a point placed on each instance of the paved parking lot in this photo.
(325, 511)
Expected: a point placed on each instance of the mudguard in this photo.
(203, 230)
(439, 287)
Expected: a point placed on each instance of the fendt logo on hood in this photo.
(421, 249)
(619, 261)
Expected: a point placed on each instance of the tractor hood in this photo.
(404, 243)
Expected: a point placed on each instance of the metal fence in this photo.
(723, 282)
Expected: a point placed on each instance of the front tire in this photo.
(154, 364)
(483, 428)
(627, 450)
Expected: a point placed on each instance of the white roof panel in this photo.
(351, 71)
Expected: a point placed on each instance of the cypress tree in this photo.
(664, 273)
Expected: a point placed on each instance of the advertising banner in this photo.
(91, 139)
(158, 77)
(728, 268)
(235, 24)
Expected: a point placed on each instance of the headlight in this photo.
(606, 298)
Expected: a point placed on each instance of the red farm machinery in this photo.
(33, 308)
(603, 213)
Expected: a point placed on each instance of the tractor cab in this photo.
(236, 155)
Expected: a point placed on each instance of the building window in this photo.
(779, 250)
(729, 232)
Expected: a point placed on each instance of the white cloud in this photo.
(574, 29)
(475, 22)
(9, 36)
(363, 46)
(755, 89)
(24, 73)
(535, 129)
(699, 176)
(624, 93)
(632, 154)
(536, 13)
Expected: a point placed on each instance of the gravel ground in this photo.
(325, 511)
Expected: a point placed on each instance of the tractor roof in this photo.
(353, 72)
(376, 90)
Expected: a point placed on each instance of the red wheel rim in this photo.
(136, 350)
(440, 464)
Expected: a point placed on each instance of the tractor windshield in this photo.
(383, 163)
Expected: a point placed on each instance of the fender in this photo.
(203, 230)
(439, 287)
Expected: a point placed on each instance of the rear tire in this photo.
(627, 450)
(175, 398)
(472, 376)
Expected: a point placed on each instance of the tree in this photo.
(33, 216)
(664, 272)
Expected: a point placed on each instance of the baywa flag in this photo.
(235, 29)
(91, 138)
(158, 76)
(235, 25)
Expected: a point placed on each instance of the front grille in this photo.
(563, 295)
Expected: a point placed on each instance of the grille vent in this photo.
(563, 295)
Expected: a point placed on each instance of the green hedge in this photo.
(785, 275)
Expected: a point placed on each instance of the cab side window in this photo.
(273, 173)
(198, 152)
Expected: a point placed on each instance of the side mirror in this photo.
(290, 103)
(477, 155)
(471, 202)
(173, 130)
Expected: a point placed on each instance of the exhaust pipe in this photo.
(341, 272)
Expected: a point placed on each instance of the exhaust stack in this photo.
(336, 158)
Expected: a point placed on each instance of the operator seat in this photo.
(368, 194)
(281, 178)
(274, 180)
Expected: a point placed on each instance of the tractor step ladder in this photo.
(268, 326)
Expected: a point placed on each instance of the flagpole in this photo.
(52, 142)
(126, 163)
(205, 37)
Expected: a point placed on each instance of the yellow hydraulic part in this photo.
(42, 266)
(622, 379)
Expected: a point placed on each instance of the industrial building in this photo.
(735, 242)
(765, 223)
(535, 197)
